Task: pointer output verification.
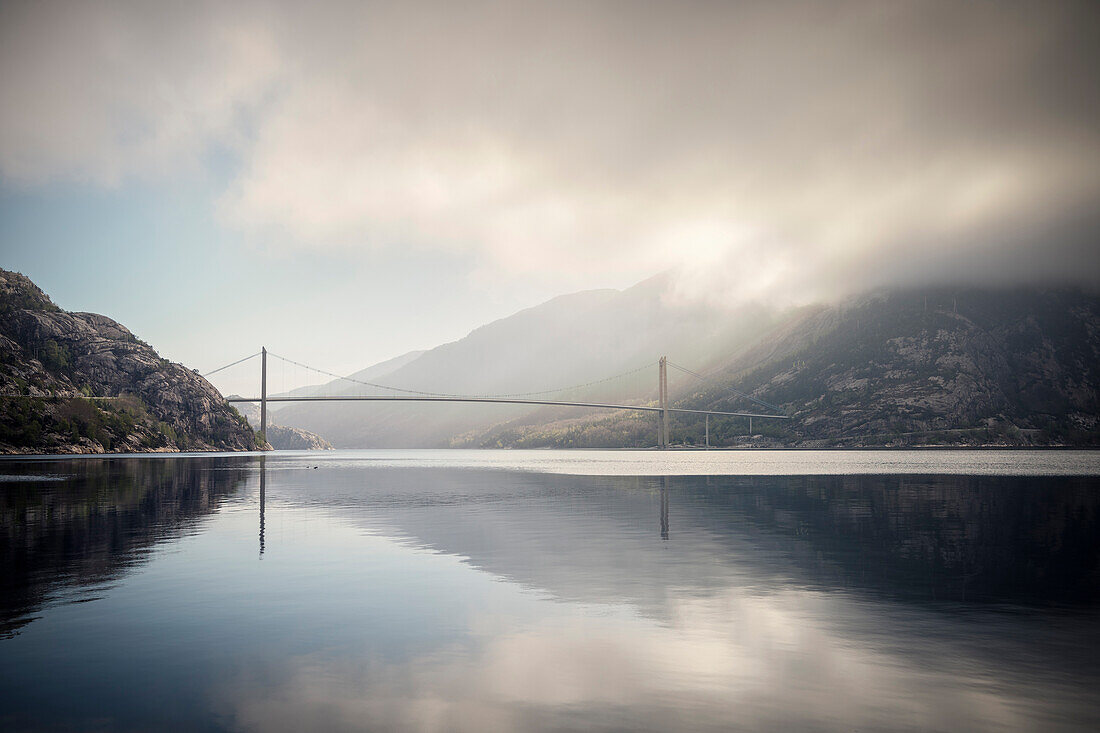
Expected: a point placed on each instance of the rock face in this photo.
(935, 367)
(910, 368)
(82, 383)
(282, 437)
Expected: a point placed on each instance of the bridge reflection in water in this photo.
(664, 493)
(664, 507)
(390, 581)
(263, 499)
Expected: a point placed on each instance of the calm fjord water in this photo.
(467, 590)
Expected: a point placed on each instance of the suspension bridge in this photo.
(663, 408)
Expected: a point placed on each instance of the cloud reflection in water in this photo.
(729, 659)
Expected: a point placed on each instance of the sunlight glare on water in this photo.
(740, 463)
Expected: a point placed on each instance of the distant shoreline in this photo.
(675, 449)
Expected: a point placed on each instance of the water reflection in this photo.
(731, 662)
(664, 508)
(810, 603)
(263, 499)
(70, 525)
(935, 539)
(393, 598)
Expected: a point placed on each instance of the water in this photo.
(469, 590)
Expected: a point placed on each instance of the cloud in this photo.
(790, 148)
(103, 92)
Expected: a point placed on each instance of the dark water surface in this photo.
(466, 591)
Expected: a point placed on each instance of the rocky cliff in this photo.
(282, 437)
(933, 367)
(82, 383)
(959, 367)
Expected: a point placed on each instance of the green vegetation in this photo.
(55, 357)
(25, 420)
(31, 421)
(20, 421)
(30, 299)
(258, 438)
(49, 422)
(42, 359)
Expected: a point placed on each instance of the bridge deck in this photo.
(502, 400)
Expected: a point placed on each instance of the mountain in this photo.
(1010, 367)
(959, 367)
(82, 383)
(347, 385)
(570, 340)
(282, 437)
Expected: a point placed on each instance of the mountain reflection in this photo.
(778, 603)
(937, 538)
(940, 538)
(88, 520)
(442, 598)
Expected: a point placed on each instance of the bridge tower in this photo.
(662, 397)
(263, 392)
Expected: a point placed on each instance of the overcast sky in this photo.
(345, 182)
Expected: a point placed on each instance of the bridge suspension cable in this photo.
(447, 394)
(762, 403)
(238, 361)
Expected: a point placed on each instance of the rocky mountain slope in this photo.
(82, 383)
(1013, 367)
(915, 368)
(346, 386)
(570, 340)
(282, 437)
